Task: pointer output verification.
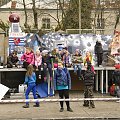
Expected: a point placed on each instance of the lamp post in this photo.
(79, 16)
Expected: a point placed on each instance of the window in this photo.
(100, 23)
(46, 23)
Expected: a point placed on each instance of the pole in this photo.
(79, 16)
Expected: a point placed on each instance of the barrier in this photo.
(58, 100)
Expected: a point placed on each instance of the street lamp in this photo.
(79, 16)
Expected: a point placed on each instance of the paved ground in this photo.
(50, 111)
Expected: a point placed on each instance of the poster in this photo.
(3, 90)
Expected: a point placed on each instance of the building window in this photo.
(100, 23)
(46, 23)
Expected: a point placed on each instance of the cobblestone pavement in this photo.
(50, 110)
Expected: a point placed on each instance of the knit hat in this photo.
(77, 50)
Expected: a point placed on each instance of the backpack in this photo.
(113, 90)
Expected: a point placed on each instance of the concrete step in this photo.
(20, 96)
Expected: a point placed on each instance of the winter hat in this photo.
(77, 50)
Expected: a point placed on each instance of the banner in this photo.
(3, 90)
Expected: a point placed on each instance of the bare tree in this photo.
(26, 20)
(35, 15)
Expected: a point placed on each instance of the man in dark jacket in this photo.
(98, 52)
(89, 84)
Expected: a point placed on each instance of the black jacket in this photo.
(89, 77)
(98, 48)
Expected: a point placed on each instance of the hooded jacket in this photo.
(98, 48)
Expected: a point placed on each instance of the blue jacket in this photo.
(62, 77)
(30, 79)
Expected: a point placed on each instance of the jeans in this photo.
(30, 87)
(77, 68)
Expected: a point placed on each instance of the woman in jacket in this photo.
(62, 83)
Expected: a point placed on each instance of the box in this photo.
(22, 88)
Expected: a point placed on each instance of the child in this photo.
(89, 84)
(46, 61)
(66, 59)
(38, 61)
(56, 57)
(30, 79)
(62, 83)
(77, 60)
(28, 57)
(12, 60)
(88, 57)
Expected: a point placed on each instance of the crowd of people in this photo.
(60, 60)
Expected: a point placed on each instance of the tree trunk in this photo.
(35, 15)
(25, 24)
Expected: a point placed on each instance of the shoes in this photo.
(61, 109)
(37, 105)
(100, 66)
(26, 106)
(91, 107)
(85, 105)
(69, 109)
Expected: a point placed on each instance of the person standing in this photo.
(89, 84)
(30, 80)
(99, 53)
(62, 83)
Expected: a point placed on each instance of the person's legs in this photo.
(79, 66)
(61, 97)
(25, 65)
(90, 95)
(75, 68)
(34, 95)
(39, 71)
(45, 71)
(101, 58)
(50, 70)
(29, 88)
(66, 94)
(86, 102)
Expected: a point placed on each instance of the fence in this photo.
(95, 31)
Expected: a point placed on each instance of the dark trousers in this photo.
(39, 69)
(25, 64)
(49, 66)
(99, 58)
(62, 94)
